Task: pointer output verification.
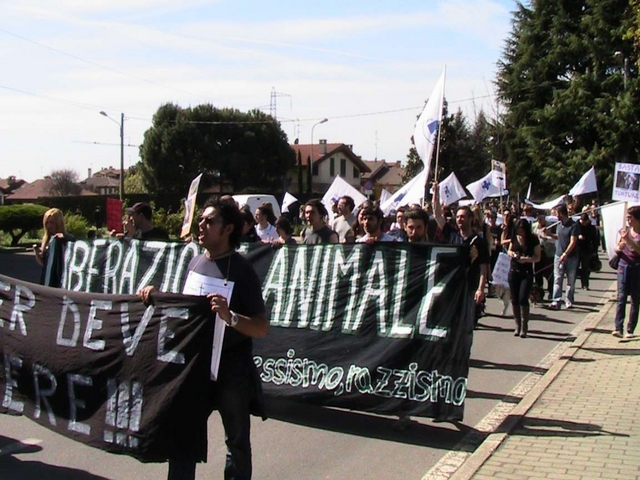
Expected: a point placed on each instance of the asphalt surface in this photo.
(315, 443)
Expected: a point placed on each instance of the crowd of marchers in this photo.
(547, 250)
(552, 247)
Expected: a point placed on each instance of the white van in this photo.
(255, 200)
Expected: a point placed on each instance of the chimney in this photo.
(323, 146)
(89, 173)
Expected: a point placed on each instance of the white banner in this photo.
(626, 182)
(500, 274)
(498, 174)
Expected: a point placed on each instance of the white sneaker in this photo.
(628, 335)
(568, 305)
(616, 334)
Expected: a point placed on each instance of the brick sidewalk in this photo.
(586, 424)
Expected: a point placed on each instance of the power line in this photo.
(96, 64)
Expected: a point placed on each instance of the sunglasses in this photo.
(210, 220)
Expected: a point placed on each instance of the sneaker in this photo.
(568, 305)
(554, 306)
(616, 334)
(628, 335)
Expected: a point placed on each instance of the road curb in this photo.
(493, 441)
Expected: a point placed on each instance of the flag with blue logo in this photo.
(425, 133)
(483, 188)
(450, 190)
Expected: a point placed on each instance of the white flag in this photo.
(483, 188)
(340, 188)
(287, 201)
(425, 132)
(384, 196)
(412, 192)
(547, 205)
(450, 190)
(586, 184)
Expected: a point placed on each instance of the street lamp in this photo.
(324, 120)
(121, 125)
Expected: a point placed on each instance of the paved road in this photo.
(314, 443)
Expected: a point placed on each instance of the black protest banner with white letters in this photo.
(385, 328)
(107, 370)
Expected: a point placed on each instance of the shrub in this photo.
(171, 222)
(76, 225)
(17, 220)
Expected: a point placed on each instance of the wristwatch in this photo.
(234, 319)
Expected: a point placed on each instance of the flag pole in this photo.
(444, 82)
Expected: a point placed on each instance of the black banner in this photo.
(385, 328)
(107, 370)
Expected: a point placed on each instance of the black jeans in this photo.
(231, 395)
(520, 287)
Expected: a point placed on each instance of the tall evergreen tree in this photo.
(562, 80)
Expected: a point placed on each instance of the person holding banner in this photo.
(53, 226)
(342, 223)
(524, 251)
(317, 230)
(372, 218)
(237, 392)
(265, 220)
(416, 221)
(628, 250)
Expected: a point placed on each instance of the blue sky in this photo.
(366, 66)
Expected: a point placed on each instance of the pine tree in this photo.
(562, 83)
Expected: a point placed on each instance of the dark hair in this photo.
(230, 214)
(416, 214)
(349, 201)
(562, 210)
(318, 205)
(467, 209)
(247, 217)
(526, 226)
(267, 209)
(284, 224)
(634, 212)
(142, 208)
(371, 210)
(585, 218)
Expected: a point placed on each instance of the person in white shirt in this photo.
(342, 224)
(264, 224)
(372, 218)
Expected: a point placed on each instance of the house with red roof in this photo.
(383, 175)
(38, 189)
(326, 161)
